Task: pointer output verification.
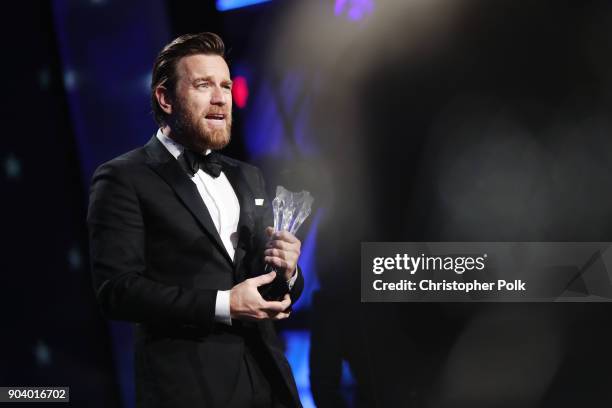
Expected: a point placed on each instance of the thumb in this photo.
(263, 279)
(269, 232)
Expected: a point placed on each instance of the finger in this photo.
(276, 261)
(263, 279)
(286, 302)
(281, 316)
(287, 263)
(285, 236)
(276, 253)
(285, 246)
(272, 307)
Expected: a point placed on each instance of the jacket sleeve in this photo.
(118, 260)
(268, 221)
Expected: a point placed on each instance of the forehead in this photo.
(203, 66)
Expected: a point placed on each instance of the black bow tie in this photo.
(210, 163)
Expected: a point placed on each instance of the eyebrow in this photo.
(209, 78)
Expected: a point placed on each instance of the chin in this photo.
(217, 139)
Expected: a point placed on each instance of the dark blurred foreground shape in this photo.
(494, 126)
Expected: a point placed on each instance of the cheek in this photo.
(198, 103)
(202, 106)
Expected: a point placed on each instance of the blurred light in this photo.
(12, 167)
(298, 349)
(225, 5)
(44, 78)
(347, 376)
(240, 91)
(145, 81)
(276, 114)
(70, 80)
(264, 129)
(354, 9)
(74, 258)
(42, 353)
(308, 264)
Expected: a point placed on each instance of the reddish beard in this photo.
(190, 130)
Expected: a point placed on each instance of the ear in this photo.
(163, 99)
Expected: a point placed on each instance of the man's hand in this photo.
(283, 251)
(247, 304)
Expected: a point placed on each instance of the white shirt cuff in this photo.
(291, 281)
(222, 307)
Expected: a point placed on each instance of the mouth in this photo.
(216, 119)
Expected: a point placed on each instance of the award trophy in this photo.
(290, 210)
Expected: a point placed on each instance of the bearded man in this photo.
(180, 236)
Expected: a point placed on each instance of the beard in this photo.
(192, 132)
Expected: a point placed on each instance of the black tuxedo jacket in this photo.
(158, 261)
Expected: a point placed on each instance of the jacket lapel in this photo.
(246, 222)
(168, 168)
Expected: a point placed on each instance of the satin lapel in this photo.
(170, 170)
(246, 222)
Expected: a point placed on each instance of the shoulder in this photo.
(132, 158)
(125, 164)
(252, 174)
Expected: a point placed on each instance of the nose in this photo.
(218, 97)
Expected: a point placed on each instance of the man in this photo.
(180, 236)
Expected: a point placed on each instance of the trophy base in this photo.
(275, 290)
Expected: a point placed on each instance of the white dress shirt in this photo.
(224, 208)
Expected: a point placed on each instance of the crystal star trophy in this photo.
(290, 210)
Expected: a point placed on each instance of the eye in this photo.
(203, 84)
